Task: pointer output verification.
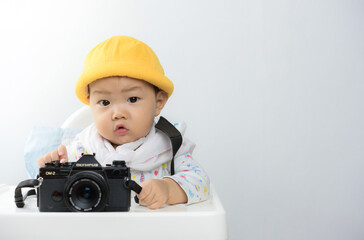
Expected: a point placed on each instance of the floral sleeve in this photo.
(192, 178)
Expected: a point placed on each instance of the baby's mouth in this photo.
(120, 129)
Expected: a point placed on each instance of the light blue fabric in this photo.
(43, 140)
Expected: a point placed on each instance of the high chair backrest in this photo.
(79, 119)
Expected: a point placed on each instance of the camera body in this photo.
(84, 186)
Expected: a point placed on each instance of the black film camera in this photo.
(83, 186)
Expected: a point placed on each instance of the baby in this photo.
(125, 87)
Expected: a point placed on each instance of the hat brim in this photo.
(124, 69)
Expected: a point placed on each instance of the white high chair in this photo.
(79, 119)
(205, 220)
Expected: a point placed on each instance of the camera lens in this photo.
(86, 191)
(85, 194)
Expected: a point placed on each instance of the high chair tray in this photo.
(205, 220)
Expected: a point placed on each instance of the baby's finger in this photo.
(143, 198)
(54, 155)
(44, 159)
(47, 158)
(62, 153)
(155, 205)
(150, 199)
(41, 161)
(142, 202)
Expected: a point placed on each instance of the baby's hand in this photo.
(157, 192)
(59, 154)
(154, 193)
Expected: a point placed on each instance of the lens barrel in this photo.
(86, 191)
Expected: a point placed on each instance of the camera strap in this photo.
(135, 187)
(32, 183)
(173, 134)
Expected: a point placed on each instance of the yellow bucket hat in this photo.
(122, 56)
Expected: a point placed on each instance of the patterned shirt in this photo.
(189, 174)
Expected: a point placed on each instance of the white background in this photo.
(272, 92)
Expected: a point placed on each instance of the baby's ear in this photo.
(161, 100)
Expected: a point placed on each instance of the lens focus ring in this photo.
(86, 191)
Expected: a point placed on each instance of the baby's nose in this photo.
(118, 113)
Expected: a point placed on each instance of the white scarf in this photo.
(144, 154)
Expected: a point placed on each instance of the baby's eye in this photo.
(133, 99)
(104, 102)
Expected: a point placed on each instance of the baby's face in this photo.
(124, 108)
